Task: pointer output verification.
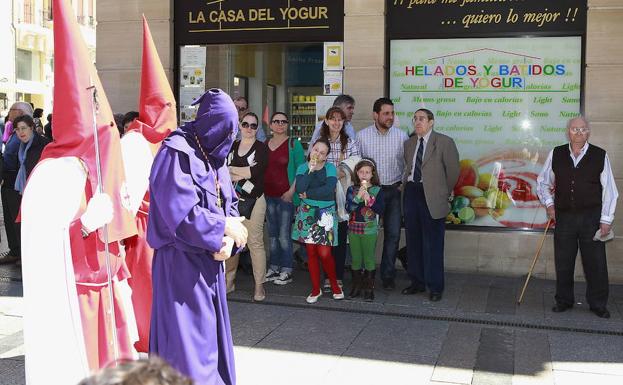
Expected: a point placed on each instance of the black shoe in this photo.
(413, 290)
(560, 307)
(402, 257)
(389, 284)
(435, 297)
(601, 312)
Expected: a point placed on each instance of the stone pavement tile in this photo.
(532, 304)
(501, 300)
(495, 357)
(281, 367)
(11, 289)
(571, 378)
(250, 323)
(328, 331)
(406, 336)
(11, 342)
(9, 325)
(12, 371)
(12, 306)
(533, 361)
(458, 354)
(587, 353)
(474, 297)
(365, 368)
(10, 272)
(13, 353)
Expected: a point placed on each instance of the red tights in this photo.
(322, 252)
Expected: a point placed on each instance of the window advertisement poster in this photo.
(193, 56)
(192, 79)
(505, 102)
(333, 56)
(332, 82)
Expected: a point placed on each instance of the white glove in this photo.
(99, 212)
(225, 252)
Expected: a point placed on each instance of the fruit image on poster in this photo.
(506, 103)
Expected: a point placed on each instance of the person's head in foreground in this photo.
(152, 371)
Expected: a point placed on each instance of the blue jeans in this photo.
(279, 215)
(391, 231)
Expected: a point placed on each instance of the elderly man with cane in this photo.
(578, 189)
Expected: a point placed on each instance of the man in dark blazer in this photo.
(432, 161)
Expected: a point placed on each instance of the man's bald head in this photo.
(18, 109)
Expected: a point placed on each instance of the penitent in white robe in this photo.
(53, 339)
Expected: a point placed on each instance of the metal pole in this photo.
(536, 256)
(100, 189)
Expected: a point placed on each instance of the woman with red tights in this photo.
(315, 222)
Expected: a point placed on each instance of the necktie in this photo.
(417, 171)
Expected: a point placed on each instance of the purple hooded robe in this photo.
(190, 322)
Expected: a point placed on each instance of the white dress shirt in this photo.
(417, 147)
(546, 183)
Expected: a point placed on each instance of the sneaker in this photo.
(271, 275)
(283, 279)
(313, 298)
(339, 295)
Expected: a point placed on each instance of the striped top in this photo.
(387, 151)
(335, 155)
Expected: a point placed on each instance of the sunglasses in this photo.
(279, 121)
(247, 125)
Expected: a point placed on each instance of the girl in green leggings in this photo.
(364, 202)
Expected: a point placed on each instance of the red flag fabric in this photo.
(74, 76)
(157, 116)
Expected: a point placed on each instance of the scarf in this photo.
(8, 130)
(20, 181)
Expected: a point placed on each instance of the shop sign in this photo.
(468, 18)
(258, 21)
(505, 102)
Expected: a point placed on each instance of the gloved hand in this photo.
(99, 212)
(225, 252)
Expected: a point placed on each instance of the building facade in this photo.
(27, 70)
(269, 76)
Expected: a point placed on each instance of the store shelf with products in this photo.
(303, 117)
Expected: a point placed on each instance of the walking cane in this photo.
(111, 306)
(536, 256)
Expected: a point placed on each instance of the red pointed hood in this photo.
(74, 75)
(157, 116)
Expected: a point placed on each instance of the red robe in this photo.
(89, 262)
(139, 257)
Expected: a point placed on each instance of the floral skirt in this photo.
(315, 225)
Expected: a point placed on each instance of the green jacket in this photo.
(296, 157)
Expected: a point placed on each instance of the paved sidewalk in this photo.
(475, 335)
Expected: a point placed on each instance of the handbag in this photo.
(245, 206)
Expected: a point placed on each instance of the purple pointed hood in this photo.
(216, 124)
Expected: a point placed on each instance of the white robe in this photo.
(53, 339)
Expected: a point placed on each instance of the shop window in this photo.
(273, 77)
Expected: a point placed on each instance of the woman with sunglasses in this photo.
(247, 163)
(285, 155)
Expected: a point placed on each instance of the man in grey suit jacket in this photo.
(432, 171)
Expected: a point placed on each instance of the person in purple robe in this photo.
(193, 225)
